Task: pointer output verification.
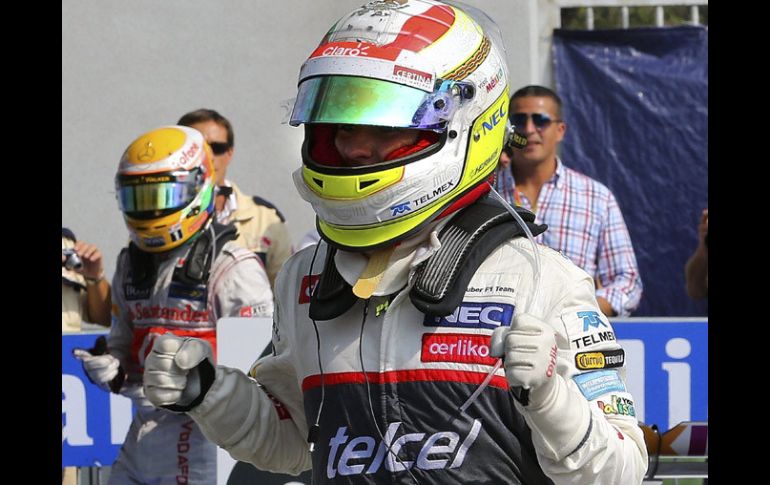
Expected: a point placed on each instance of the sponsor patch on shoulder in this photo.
(181, 291)
(600, 360)
(474, 315)
(253, 310)
(592, 339)
(590, 319)
(618, 405)
(132, 293)
(594, 384)
(307, 287)
(587, 328)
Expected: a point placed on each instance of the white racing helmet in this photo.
(418, 64)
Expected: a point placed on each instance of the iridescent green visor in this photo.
(367, 101)
(154, 195)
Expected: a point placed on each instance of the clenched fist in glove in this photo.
(528, 348)
(178, 372)
(102, 369)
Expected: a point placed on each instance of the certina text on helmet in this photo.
(164, 186)
(415, 64)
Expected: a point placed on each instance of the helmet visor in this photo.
(367, 101)
(155, 195)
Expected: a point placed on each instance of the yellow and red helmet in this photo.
(165, 186)
(413, 64)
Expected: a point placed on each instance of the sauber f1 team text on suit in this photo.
(163, 447)
(397, 414)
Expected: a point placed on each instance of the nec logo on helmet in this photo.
(497, 116)
(474, 315)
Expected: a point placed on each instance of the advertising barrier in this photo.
(94, 422)
(667, 361)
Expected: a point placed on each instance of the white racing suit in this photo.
(418, 370)
(163, 447)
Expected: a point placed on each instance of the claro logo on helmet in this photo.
(337, 50)
(438, 451)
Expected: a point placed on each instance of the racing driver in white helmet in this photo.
(389, 333)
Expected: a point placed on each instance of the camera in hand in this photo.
(73, 261)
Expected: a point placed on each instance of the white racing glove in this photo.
(103, 369)
(560, 420)
(178, 372)
(528, 348)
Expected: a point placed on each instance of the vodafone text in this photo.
(182, 448)
(443, 443)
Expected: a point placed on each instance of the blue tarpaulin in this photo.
(636, 107)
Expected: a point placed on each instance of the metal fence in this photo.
(617, 13)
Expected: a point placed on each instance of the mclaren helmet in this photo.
(164, 186)
(424, 65)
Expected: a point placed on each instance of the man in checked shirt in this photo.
(583, 217)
